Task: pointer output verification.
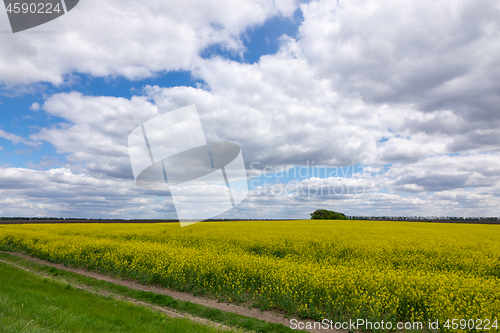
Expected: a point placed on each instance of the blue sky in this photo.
(396, 92)
(17, 118)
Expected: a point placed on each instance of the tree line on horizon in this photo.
(320, 214)
(323, 214)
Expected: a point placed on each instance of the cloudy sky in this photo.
(366, 107)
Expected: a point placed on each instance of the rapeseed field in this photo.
(392, 271)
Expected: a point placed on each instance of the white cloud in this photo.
(442, 173)
(96, 129)
(61, 192)
(35, 107)
(465, 185)
(15, 139)
(438, 55)
(129, 38)
(282, 114)
(279, 113)
(412, 148)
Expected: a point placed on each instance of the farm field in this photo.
(391, 271)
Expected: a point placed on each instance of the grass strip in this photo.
(32, 303)
(215, 315)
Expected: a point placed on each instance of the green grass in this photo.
(215, 315)
(31, 303)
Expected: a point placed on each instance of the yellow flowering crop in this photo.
(318, 269)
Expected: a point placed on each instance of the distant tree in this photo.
(323, 214)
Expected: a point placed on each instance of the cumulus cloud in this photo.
(393, 51)
(61, 192)
(282, 114)
(129, 38)
(95, 130)
(35, 107)
(438, 56)
(352, 197)
(442, 173)
(15, 139)
(439, 186)
(279, 113)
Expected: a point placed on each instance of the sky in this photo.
(367, 107)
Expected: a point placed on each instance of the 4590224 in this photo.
(33, 8)
(471, 324)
